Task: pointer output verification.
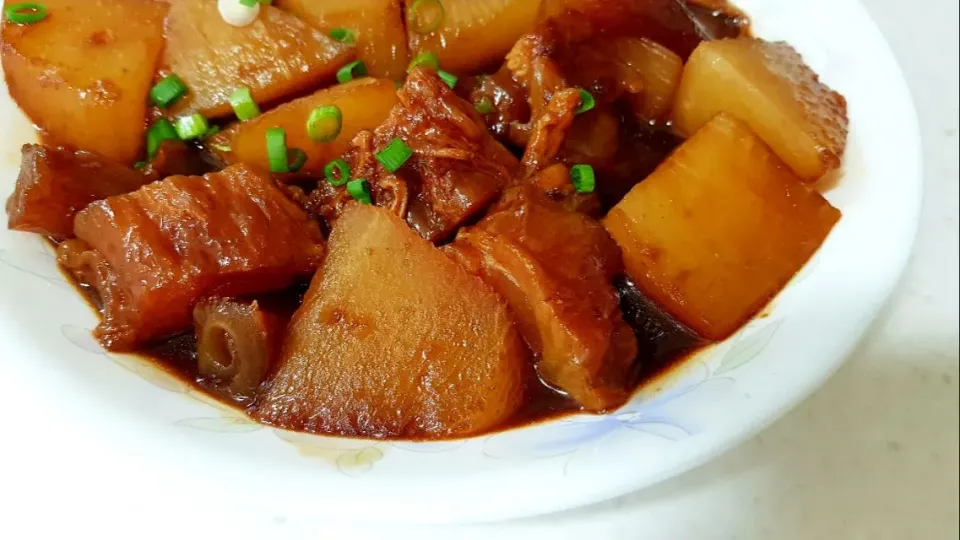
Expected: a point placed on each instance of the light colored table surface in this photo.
(873, 455)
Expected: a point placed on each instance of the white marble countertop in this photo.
(873, 455)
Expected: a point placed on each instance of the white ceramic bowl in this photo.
(127, 430)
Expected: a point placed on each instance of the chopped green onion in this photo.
(277, 150)
(425, 16)
(221, 147)
(337, 172)
(243, 104)
(586, 102)
(344, 35)
(26, 12)
(359, 189)
(583, 178)
(296, 158)
(448, 78)
(394, 155)
(267, 2)
(191, 127)
(211, 132)
(168, 91)
(324, 123)
(160, 131)
(351, 71)
(249, 3)
(427, 60)
(139, 164)
(282, 159)
(484, 106)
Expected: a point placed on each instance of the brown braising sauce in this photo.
(663, 343)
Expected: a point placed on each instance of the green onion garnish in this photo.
(324, 123)
(211, 132)
(277, 150)
(221, 147)
(359, 189)
(139, 164)
(484, 106)
(281, 158)
(160, 131)
(344, 35)
(583, 178)
(337, 172)
(448, 78)
(426, 59)
(394, 155)
(168, 91)
(243, 104)
(296, 158)
(191, 127)
(586, 102)
(249, 3)
(351, 71)
(425, 16)
(26, 12)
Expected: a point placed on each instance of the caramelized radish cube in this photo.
(395, 340)
(82, 75)
(376, 24)
(472, 34)
(768, 86)
(364, 104)
(654, 69)
(276, 56)
(719, 228)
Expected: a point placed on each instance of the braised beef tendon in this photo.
(455, 171)
(555, 267)
(172, 242)
(57, 182)
(237, 342)
(395, 340)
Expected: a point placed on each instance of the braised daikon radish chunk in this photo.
(768, 86)
(276, 56)
(83, 73)
(468, 35)
(719, 228)
(375, 25)
(364, 104)
(395, 340)
(654, 69)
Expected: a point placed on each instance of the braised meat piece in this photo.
(172, 242)
(395, 340)
(176, 158)
(556, 268)
(456, 171)
(57, 182)
(237, 342)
